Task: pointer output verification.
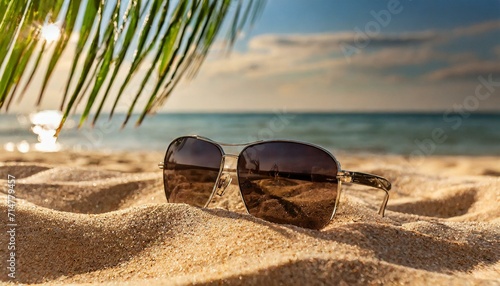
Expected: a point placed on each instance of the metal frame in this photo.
(343, 176)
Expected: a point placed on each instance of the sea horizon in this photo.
(431, 133)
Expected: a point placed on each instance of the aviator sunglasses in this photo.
(280, 181)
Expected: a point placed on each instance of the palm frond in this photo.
(170, 39)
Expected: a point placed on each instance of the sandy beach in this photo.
(92, 218)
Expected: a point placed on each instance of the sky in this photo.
(352, 56)
(345, 56)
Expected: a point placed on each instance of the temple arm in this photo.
(367, 180)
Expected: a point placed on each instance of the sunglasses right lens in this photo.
(190, 170)
(288, 182)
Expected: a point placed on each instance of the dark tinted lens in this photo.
(190, 170)
(287, 182)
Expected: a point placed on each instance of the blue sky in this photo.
(347, 56)
(326, 15)
(426, 57)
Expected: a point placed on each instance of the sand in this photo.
(93, 218)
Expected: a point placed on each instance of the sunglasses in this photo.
(280, 181)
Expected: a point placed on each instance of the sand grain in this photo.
(93, 224)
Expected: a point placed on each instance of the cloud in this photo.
(269, 55)
(476, 29)
(410, 56)
(264, 65)
(465, 71)
(405, 71)
(496, 50)
(390, 40)
(393, 57)
(307, 54)
(327, 41)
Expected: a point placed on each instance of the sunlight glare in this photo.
(50, 32)
(44, 124)
(23, 146)
(9, 146)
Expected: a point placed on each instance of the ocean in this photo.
(381, 133)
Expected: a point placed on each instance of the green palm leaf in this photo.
(171, 37)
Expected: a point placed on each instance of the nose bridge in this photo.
(228, 172)
(230, 163)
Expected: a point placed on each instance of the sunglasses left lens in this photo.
(190, 170)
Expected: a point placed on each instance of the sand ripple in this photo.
(91, 225)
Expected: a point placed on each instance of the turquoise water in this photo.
(438, 134)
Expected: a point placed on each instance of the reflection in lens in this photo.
(190, 170)
(288, 182)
